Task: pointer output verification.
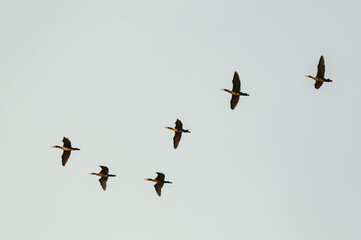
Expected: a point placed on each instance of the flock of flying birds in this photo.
(178, 129)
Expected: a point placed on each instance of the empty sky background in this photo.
(109, 75)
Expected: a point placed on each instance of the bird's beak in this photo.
(53, 146)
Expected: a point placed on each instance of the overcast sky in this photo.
(110, 75)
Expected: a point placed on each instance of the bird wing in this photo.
(321, 68)
(176, 139)
(234, 101)
(65, 157)
(103, 182)
(236, 83)
(158, 188)
(318, 84)
(178, 124)
(160, 177)
(104, 170)
(66, 142)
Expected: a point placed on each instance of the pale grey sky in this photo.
(109, 75)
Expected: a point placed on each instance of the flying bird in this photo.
(159, 182)
(178, 129)
(236, 91)
(103, 174)
(67, 148)
(320, 77)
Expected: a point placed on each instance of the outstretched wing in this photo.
(103, 182)
(160, 177)
(236, 83)
(65, 157)
(178, 124)
(66, 142)
(176, 139)
(158, 188)
(318, 84)
(234, 101)
(321, 69)
(104, 170)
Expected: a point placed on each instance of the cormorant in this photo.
(178, 129)
(320, 77)
(159, 182)
(103, 174)
(67, 148)
(236, 91)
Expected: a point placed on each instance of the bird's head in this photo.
(149, 179)
(309, 76)
(55, 146)
(169, 128)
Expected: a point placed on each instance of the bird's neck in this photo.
(311, 77)
(170, 128)
(150, 179)
(228, 91)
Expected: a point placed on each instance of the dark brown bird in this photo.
(159, 182)
(103, 174)
(236, 91)
(67, 148)
(320, 77)
(178, 129)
